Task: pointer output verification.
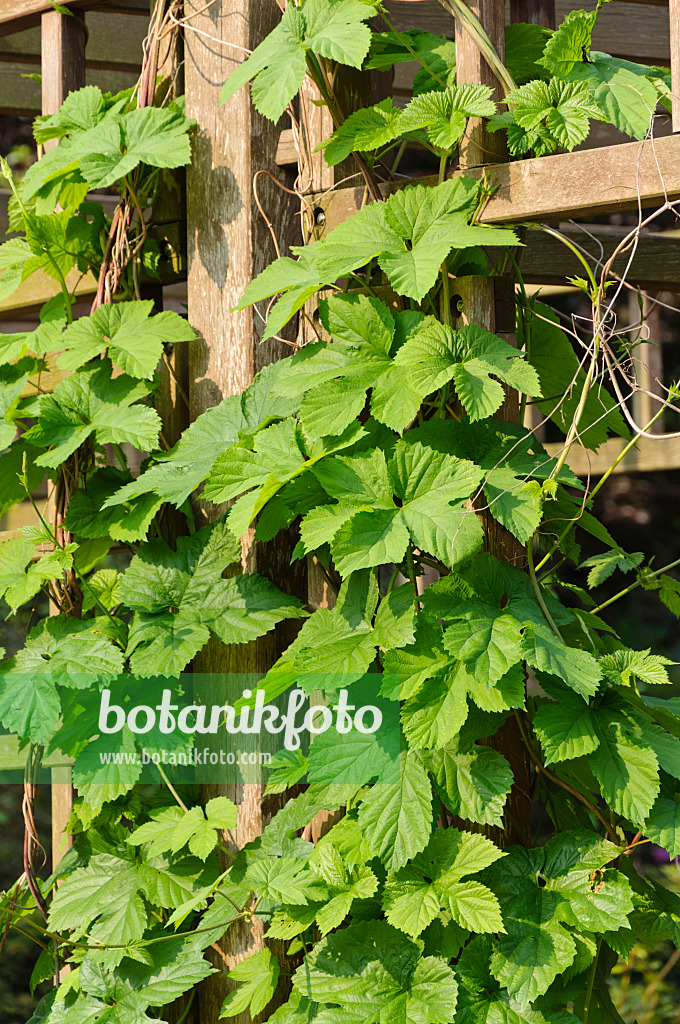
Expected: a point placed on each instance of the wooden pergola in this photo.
(216, 244)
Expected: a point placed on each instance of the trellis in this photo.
(228, 242)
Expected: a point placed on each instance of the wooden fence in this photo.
(612, 177)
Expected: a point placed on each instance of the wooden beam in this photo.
(561, 187)
(479, 146)
(656, 263)
(533, 12)
(18, 15)
(624, 29)
(63, 60)
(648, 456)
(114, 43)
(229, 243)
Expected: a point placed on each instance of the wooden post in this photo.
(229, 243)
(63, 59)
(534, 12)
(63, 70)
(674, 14)
(648, 361)
(478, 146)
(489, 303)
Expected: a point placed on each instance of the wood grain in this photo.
(623, 29)
(229, 243)
(565, 186)
(477, 145)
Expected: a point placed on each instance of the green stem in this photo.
(570, 245)
(638, 583)
(176, 796)
(538, 592)
(188, 1007)
(459, 10)
(591, 983)
(526, 324)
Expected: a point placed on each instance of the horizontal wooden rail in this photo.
(623, 29)
(561, 187)
(17, 15)
(648, 456)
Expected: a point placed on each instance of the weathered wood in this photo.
(114, 43)
(534, 12)
(546, 260)
(477, 145)
(18, 15)
(63, 70)
(63, 59)
(674, 15)
(229, 243)
(20, 95)
(647, 357)
(565, 186)
(488, 302)
(648, 456)
(624, 29)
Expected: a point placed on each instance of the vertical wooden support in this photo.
(648, 359)
(63, 70)
(534, 12)
(674, 14)
(478, 146)
(63, 58)
(489, 302)
(229, 243)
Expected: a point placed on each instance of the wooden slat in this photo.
(624, 29)
(19, 95)
(648, 456)
(114, 43)
(62, 40)
(17, 15)
(561, 187)
(656, 263)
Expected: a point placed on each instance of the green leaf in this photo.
(128, 333)
(371, 971)
(259, 975)
(566, 729)
(106, 892)
(336, 29)
(566, 46)
(598, 900)
(623, 92)
(626, 769)
(23, 571)
(444, 114)
(178, 596)
(396, 819)
(421, 226)
(486, 639)
(30, 709)
(605, 565)
(484, 356)
(128, 521)
(474, 785)
(663, 824)
(435, 715)
(564, 108)
(546, 652)
(155, 136)
(363, 131)
(524, 45)
(623, 666)
(14, 256)
(529, 960)
(91, 402)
